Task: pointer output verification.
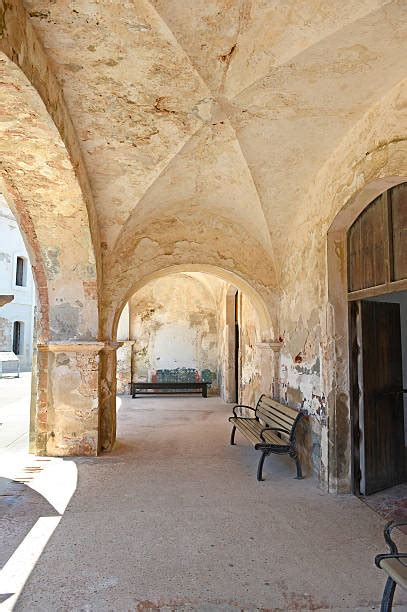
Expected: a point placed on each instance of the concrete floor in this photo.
(174, 519)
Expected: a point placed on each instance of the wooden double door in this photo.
(377, 396)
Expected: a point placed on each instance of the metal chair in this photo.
(394, 564)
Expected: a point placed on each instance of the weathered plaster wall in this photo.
(314, 371)
(225, 342)
(173, 322)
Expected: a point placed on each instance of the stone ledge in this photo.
(72, 347)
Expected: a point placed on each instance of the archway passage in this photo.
(193, 326)
(377, 296)
(39, 182)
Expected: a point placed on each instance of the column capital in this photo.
(111, 346)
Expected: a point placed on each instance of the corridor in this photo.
(174, 519)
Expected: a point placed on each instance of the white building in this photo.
(17, 317)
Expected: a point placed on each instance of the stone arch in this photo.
(265, 317)
(20, 44)
(40, 185)
(194, 238)
(39, 182)
(108, 372)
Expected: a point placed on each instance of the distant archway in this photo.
(108, 389)
(265, 317)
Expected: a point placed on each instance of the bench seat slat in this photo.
(276, 414)
(252, 428)
(283, 408)
(274, 421)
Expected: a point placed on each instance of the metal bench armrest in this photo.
(272, 429)
(397, 555)
(241, 406)
(387, 534)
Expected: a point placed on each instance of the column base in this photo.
(66, 415)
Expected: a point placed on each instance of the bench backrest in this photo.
(274, 414)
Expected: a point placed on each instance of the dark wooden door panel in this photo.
(399, 219)
(367, 247)
(381, 417)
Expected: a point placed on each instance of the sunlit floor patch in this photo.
(16, 571)
(55, 479)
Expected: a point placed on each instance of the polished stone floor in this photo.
(174, 519)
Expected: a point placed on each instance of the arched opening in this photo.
(367, 267)
(42, 191)
(267, 319)
(184, 324)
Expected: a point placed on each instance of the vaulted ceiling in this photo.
(214, 116)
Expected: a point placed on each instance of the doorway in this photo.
(379, 351)
(377, 295)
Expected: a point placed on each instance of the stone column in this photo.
(107, 395)
(270, 368)
(124, 369)
(66, 394)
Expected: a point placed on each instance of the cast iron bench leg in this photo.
(260, 466)
(299, 469)
(293, 454)
(388, 595)
(232, 435)
(204, 391)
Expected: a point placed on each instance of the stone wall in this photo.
(173, 322)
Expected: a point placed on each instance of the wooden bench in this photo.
(271, 429)
(395, 566)
(141, 388)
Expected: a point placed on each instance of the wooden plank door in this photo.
(381, 413)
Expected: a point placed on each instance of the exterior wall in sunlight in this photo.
(21, 308)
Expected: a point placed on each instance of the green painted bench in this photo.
(271, 429)
(394, 564)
